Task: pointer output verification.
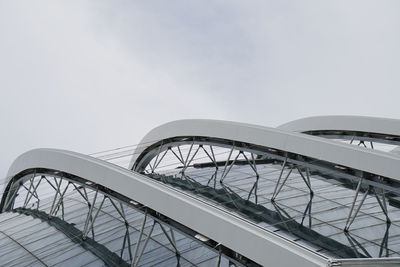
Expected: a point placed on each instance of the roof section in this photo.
(375, 162)
(249, 239)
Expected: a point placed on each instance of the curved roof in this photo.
(379, 163)
(248, 240)
(344, 123)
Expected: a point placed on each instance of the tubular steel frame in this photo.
(30, 181)
(376, 185)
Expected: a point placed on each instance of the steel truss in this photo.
(353, 212)
(247, 154)
(24, 195)
(365, 139)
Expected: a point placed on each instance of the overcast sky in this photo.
(93, 75)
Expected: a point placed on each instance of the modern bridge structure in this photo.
(320, 191)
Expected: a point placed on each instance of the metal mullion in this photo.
(58, 184)
(187, 157)
(356, 243)
(251, 165)
(383, 206)
(139, 239)
(354, 201)
(29, 191)
(176, 155)
(280, 177)
(384, 243)
(305, 180)
(151, 167)
(50, 183)
(282, 184)
(55, 195)
(188, 163)
(255, 186)
(94, 218)
(127, 234)
(213, 154)
(308, 176)
(169, 238)
(307, 210)
(129, 243)
(213, 177)
(158, 154)
(34, 192)
(357, 210)
(226, 163)
(230, 166)
(172, 235)
(162, 157)
(213, 160)
(79, 191)
(136, 263)
(180, 153)
(89, 216)
(123, 244)
(60, 199)
(117, 209)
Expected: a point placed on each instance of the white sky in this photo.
(93, 75)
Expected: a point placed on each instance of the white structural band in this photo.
(360, 158)
(246, 238)
(344, 123)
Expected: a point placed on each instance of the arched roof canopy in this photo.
(357, 158)
(249, 239)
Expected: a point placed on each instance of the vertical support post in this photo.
(171, 241)
(89, 216)
(58, 186)
(155, 162)
(280, 177)
(28, 193)
(191, 159)
(60, 201)
(136, 259)
(306, 180)
(225, 173)
(211, 158)
(187, 156)
(139, 239)
(351, 217)
(278, 190)
(226, 164)
(90, 226)
(34, 192)
(382, 204)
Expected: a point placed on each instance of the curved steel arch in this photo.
(249, 240)
(357, 158)
(368, 128)
(344, 123)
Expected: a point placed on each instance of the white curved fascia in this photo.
(259, 245)
(373, 161)
(344, 123)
